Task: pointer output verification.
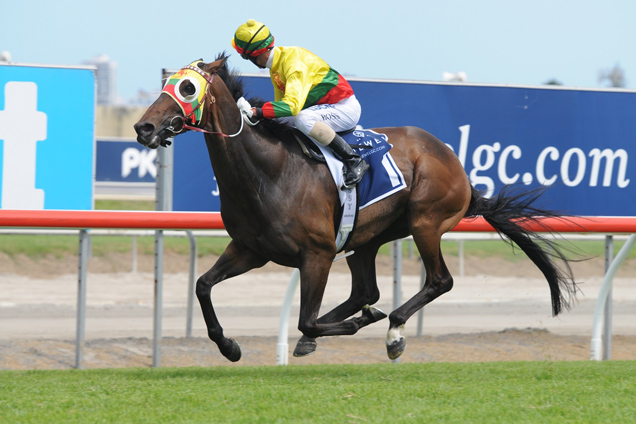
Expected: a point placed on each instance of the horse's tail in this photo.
(507, 212)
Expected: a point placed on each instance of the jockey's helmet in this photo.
(252, 39)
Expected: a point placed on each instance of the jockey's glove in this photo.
(257, 114)
(244, 106)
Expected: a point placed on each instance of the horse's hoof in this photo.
(374, 313)
(305, 347)
(234, 351)
(396, 348)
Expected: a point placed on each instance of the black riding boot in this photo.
(354, 165)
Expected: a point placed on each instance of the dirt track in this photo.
(499, 312)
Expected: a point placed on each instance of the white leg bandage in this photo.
(394, 335)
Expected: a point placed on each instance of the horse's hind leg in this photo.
(364, 292)
(234, 261)
(314, 272)
(438, 281)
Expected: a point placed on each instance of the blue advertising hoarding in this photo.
(47, 117)
(576, 142)
(124, 160)
(194, 184)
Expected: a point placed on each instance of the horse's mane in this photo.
(234, 82)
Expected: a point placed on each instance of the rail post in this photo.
(191, 277)
(420, 313)
(397, 277)
(163, 203)
(282, 354)
(81, 298)
(158, 301)
(596, 343)
(607, 319)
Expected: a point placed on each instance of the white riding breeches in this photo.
(341, 116)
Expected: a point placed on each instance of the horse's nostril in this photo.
(144, 128)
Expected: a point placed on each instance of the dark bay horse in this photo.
(279, 205)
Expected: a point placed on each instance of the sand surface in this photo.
(499, 310)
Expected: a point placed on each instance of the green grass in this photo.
(35, 246)
(576, 249)
(63, 245)
(125, 205)
(515, 392)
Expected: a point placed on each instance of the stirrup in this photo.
(354, 174)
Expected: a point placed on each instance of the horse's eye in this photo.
(188, 90)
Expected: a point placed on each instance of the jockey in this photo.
(306, 88)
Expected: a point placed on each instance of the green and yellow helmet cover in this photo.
(252, 39)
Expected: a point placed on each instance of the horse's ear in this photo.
(213, 67)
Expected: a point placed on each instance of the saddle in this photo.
(381, 180)
(312, 151)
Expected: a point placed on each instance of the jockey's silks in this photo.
(301, 80)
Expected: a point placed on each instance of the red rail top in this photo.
(111, 219)
(213, 221)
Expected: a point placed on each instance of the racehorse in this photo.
(279, 205)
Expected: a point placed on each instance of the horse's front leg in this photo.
(234, 261)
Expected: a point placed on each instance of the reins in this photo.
(201, 130)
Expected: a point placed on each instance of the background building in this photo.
(106, 79)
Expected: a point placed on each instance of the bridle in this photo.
(190, 117)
